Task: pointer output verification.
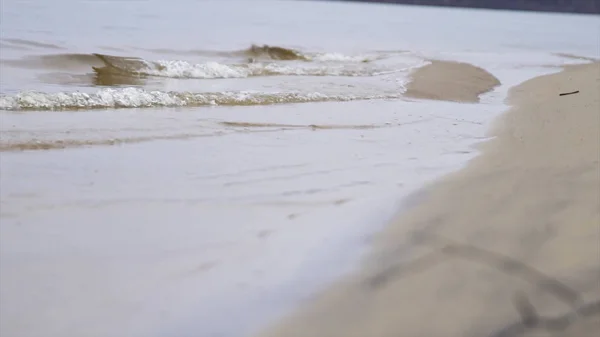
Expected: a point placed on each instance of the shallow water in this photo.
(191, 180)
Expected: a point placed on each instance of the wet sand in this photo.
(450, 81)
(508, 246)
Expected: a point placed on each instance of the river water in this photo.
(201, 168)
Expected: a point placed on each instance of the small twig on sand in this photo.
(569, 93)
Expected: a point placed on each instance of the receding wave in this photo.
(35, 143)
(140, 98)
(302, 126)
(50, 144)
(73, 140)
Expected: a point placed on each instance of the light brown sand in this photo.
(450, 81)
(532, 196)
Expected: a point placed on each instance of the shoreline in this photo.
(514, 181)
(515, 7)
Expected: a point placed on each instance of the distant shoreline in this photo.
(552, 6)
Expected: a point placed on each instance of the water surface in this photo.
(193, 164)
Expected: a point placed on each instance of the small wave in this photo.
(285, 54)
(58, 61)
(275, 53)
(214, 70)
(266, 53)
(577, 57)
(22, 43)
(108, 65)
(140, 98)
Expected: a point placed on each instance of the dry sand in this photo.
(533, 196)
(450, 81)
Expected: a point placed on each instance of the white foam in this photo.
(104, 98)
(183, 69)
(212, 70)
(338, 57)
(140, 98)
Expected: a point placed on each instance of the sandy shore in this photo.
(508, 246)
(450, 81)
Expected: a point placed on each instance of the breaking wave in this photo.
(215, 70)
(140, 98)
(329, 64)
(275, 53)
(266, 52)
(280, 53)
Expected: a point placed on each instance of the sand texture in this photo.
(509, 246)
(450, 81)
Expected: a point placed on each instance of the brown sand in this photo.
(450, 81)
(532, 196)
